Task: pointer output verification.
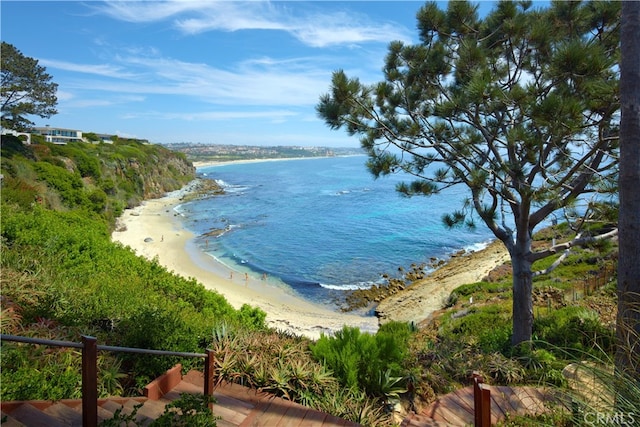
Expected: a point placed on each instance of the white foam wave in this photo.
(351, 287)
(231, 188)
(477, 246)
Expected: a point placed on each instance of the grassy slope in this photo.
(63, 277)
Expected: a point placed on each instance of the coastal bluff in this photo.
(418, 301)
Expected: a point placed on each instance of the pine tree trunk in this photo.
(522, 297)
(628, 321)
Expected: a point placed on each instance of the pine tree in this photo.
(520, 106)
(26, 89)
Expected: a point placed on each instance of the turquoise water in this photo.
(322, 226)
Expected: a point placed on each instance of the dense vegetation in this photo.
(63, 277)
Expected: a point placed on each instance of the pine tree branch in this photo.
(577, 241)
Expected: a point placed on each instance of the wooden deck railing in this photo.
(481, 402)
(90, 348)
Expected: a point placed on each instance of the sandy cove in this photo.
(152, 230)
(155, 221)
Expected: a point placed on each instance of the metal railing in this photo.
(90, 348)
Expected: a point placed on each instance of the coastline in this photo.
(200, 164)
(426, 296)
(152, 230)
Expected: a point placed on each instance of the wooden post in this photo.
(89, 381)
(481, 402)
(209, 370)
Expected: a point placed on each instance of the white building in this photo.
(24, 136)
(58, 135)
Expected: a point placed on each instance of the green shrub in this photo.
(12, 146)
(68, 184)
(481, 288)
(468, 289)
(86, 162)
(19, 192)
(251, 317)
(98, 200)
(489, 326)
(496, 339)
(359, 359)
(83, 278)
(575, 330)
(30, 372)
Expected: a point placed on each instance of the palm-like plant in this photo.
(391, 387)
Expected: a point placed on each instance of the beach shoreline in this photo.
(204, 164)
(424, 297)
(155, 231)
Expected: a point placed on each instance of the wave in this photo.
(478, 246)
(231, 188)
(345, 192)
(179, 210)
(348, 287)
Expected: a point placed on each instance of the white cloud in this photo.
(64, 95)
(314, 28)
(147, 11)
(255, 82)
(274, 116)
(322, 30)
(105, 70)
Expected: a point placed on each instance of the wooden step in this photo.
(228, 416)
(67, 415)
(9, 421)
(152, 409)
(103, 414)
(417, 420)
(31, 416)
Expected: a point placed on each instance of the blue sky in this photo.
(205, 71)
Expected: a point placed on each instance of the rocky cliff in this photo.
(102, 178)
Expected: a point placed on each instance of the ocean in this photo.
(321, 226)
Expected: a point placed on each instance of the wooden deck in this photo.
(236, 406)
(239, 406)
(244, 407)
(456, 409)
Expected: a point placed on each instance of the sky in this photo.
(205, 71)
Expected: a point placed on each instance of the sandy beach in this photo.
(153, 230)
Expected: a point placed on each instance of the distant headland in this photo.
(206, 153)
